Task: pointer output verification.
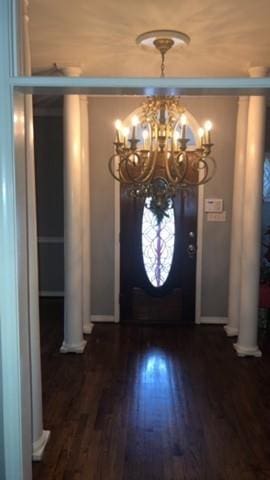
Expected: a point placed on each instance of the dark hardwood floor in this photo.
(153, 403)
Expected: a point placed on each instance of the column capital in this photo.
(257, 72)
(71, 71)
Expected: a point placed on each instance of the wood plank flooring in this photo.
(153, 403)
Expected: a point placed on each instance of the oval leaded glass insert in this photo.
(158, 241)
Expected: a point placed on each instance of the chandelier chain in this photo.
(162, 74)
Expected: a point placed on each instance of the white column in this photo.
(86, 239)
(237, 218)
(251, 242)
(39, 436)
(73, 321)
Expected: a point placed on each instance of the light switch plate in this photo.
(213, 205)
(216, 217)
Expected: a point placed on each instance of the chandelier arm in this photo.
(181, 175)
(202, 171)
(121, 177)
(141, 177)
(206, 178)
(214, 168)
(124, 173)
(152, 163)
(111, 166)
(146, 176)
(168, 171)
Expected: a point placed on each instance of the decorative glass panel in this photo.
(158, 240)
(266, 180)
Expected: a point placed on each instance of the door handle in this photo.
(192, 248)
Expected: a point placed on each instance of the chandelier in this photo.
(152, 157)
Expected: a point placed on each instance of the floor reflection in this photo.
(154, 389)
(154, 369)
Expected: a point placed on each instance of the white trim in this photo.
(73, 348)
(50, 239)
(51, 293)
(213, 320)
(88, 328)
(116, 251)
(102, 319)
(142, 85)
(200, 216)
(247, 352)
(231, 331)
(40, 445)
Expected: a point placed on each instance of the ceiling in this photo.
(227, 36)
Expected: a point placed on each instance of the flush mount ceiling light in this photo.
(152, 157)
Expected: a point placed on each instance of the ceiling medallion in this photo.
(157, 162)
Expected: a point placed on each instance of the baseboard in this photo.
(213, 320)
(102, 318)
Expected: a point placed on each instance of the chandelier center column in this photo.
(251, 242)
(73, 320)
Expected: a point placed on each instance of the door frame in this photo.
(194, 124)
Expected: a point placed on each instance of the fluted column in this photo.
(39, 436)
(237, 218)
(86, 242)
(73, 320)
(251, 243)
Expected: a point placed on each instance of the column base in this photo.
(72, 348)
(40, 445)
(87, 328)
(247, 352)
(231, 331)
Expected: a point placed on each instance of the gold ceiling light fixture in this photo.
(152, 157)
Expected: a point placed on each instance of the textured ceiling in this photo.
(227, 36)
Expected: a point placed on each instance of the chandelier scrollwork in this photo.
(159, 163)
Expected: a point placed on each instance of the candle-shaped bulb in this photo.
(176, 136)
(183, 123)
(208, 127)
(145, 135)
(183, 120)
(201, 135)
(125, 133)
(134, 122)
(118, 126)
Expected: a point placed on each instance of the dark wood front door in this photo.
(140, 300)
